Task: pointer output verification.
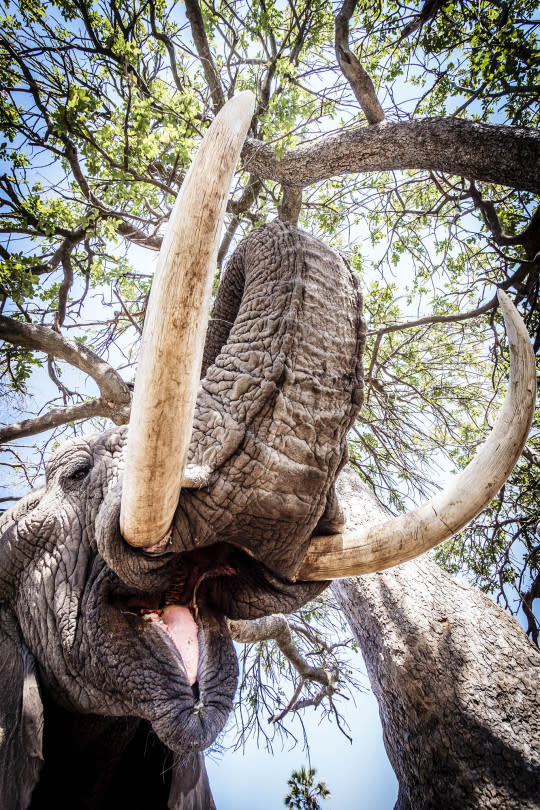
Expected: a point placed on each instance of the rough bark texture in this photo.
(456, 679)
(498, 154)
(194, 15)
(29, 427)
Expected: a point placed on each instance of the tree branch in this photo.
(352, 69)
(291, 203)
(194, 15)
(427, 12)
(59, 416)
(429, 319)
(63, 292)
(169, 45)
(527, 600)
(277, 628)
(532, 457)
(490, 152)
(115, 394)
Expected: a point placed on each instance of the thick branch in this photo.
(194, 15)
(277, 628)
(428, 11)
(59, 416)
(498, 154)
(291, 203)
(354, 72)
(531, 455)
(115, 393)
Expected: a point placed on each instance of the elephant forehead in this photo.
(92, 449)
(70, 452)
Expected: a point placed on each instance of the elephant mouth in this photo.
(184, 648)
(175, 611)
(220, 581)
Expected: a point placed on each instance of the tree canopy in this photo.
(403, 134)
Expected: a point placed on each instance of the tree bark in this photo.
(493, 153)
(456, 678)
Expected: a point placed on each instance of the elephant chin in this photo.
(195, 726)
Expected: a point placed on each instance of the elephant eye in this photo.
(79, 474)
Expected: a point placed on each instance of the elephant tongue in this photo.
(183, 631)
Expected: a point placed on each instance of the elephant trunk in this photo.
(282, 386)
(171, 353)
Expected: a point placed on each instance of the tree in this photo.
(455, 677)
(303, 792)
(434, 180)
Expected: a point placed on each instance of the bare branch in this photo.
(427, 12)
(352, 69)
(115, 393)
(59, 416)
(429, 319)
(159, 35)
(276, 627)
(532, 456)
(194, 15)
(127, 313)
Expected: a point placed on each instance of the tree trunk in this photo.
(456, 678)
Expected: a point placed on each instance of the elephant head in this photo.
(217, 501)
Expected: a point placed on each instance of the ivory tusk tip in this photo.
(246, 97)
(240, 108)
(509, 312)
(516, 329)
(399, 539)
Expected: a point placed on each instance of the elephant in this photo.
(118, 668)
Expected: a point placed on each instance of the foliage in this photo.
(303, 793)
(102, 104)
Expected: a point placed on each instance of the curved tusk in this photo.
(402, 538)
(174, 331)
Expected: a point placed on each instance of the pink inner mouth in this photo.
(178, 623)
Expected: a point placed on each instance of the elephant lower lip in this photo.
(178, 623)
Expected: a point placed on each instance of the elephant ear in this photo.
(190, 788)
(21, 718)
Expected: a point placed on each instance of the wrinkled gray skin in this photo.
(281, 386)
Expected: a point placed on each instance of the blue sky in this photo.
(358, 775)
